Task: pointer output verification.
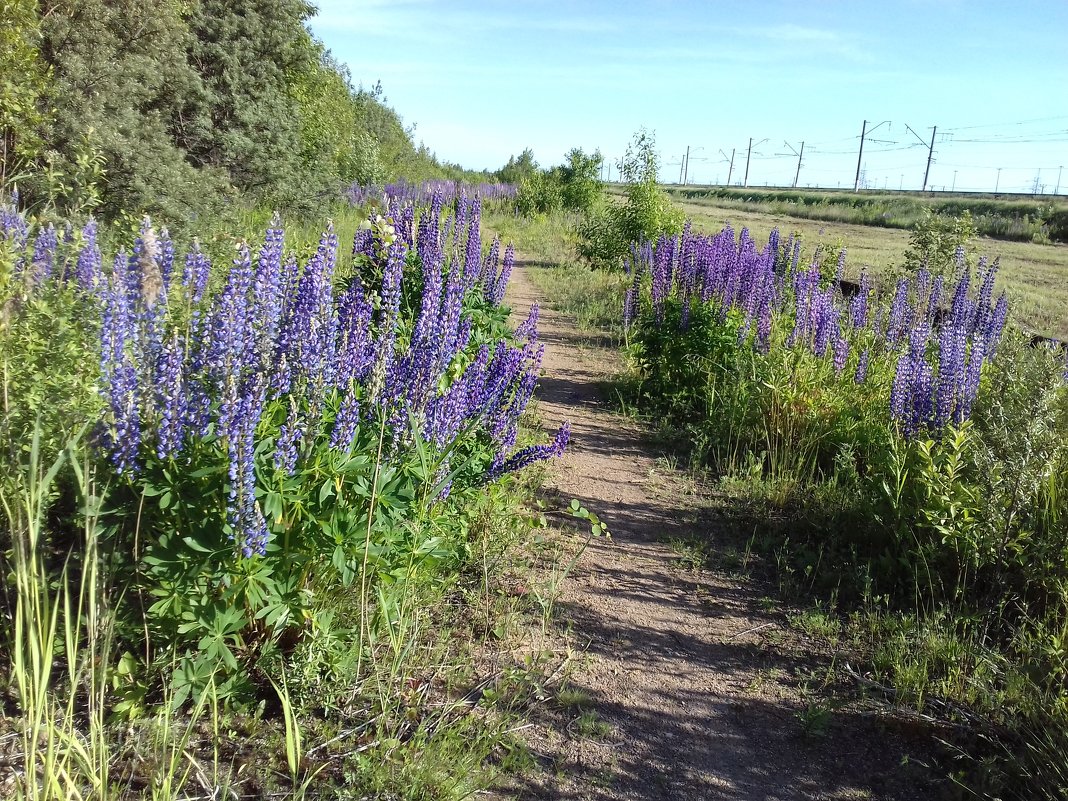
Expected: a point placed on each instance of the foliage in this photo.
(571, 186)
(242, 117)
(539, 193)
(178, 109)
(119, 73)
(939, 243)
(607, 233)
(518, 169)
(24, 83)
(579, 181)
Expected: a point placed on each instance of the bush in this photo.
(607, 232)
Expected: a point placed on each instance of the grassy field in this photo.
(1041, 218)
(1035, 276)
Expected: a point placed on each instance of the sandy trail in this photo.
(701, 687)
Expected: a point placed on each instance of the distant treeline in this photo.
(1022, 220)
(179, 108)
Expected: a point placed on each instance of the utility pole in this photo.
(997, 181)
(730, 170)
(901, 183)
(686, 166)
(954, 187)
(1057, 188)
(682, 167)
(860, 155)
(930, 153)
(745, 181)
(797, 172)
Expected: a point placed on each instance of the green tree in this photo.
(336, 148)
(243, 117)
(518, 168)
(580, 180)
(23, 82)
(119, 76)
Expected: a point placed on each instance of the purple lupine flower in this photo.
(763, 336)
(229, 324)
(961, 308)
(899, 310)
(265, 313)
(901, 388)
(841, 353)
(13, 225)
(171, 399)
(922, 408)
(488, 270)
(952, 341)
(118, 340)
(389, 308)
(463, 334)
(824, 322)
(311, 322)
(286, 447)
(861, 374)
(196, 273)
(528, 329)
(243, 513)
(346, 423)
(995, 325)
(44, 255)
(355, 348)
(533, 453)
(662, 274)
(501, 284)
(860, 303)
(166, 257)
(87, 269)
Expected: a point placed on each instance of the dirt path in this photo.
(693, 688)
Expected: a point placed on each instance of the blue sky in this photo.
(483, 80)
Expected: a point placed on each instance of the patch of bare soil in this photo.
(691, 687)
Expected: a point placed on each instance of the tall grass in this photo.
(58, 620)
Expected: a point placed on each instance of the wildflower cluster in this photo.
(406, 192)
(286, 360)
(938, 336)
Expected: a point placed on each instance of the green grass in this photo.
(594, 298)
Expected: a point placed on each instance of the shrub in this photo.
(607, 233)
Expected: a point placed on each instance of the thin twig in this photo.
(749, 630)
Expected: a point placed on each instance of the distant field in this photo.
(1035, 276)
(1021, 218)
